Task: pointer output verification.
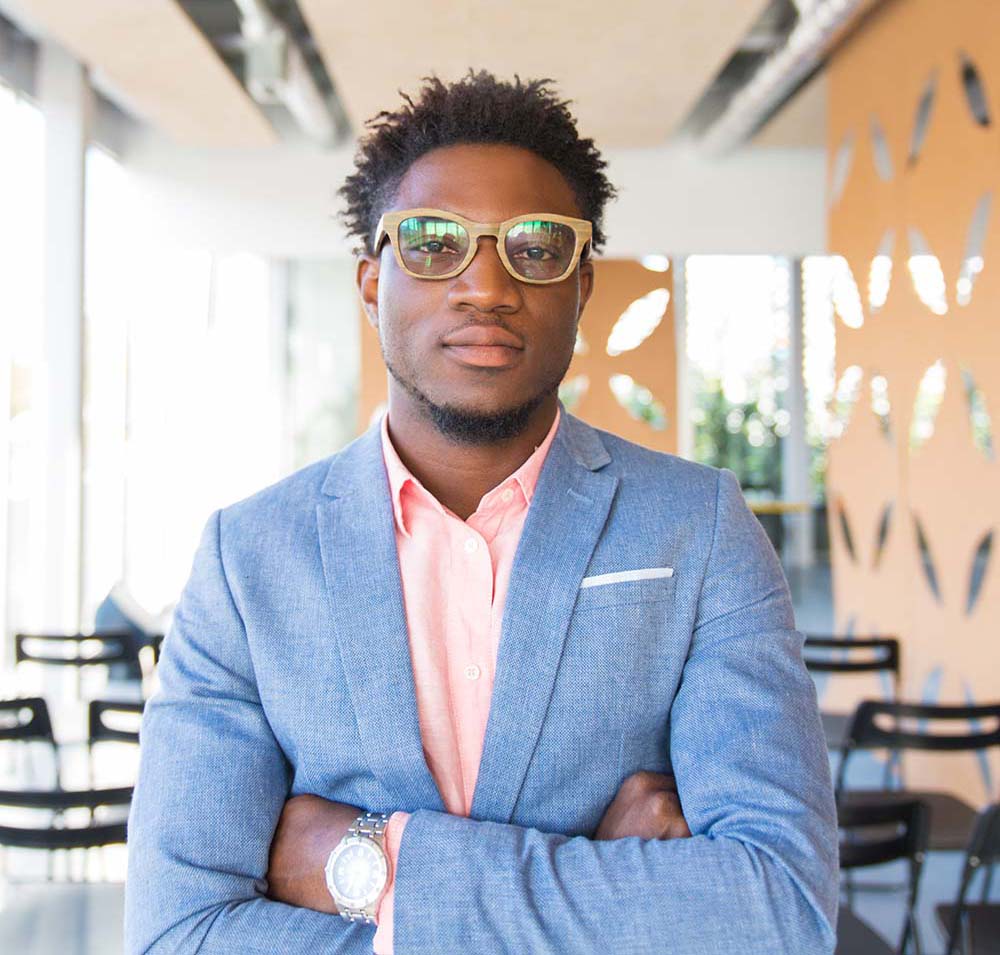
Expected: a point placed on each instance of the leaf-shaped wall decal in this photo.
(980, 563)
(638, 401)
(927, 560)
(931, 693)
(979, 417)
(846, 298)
(975, 94)
(880, 150)
(655, 263)
(841, 167)
(976, 726)
(923, 117)
(572, 390)
(845, 397)
(880, 273)
(845, 530)
(972, 263)
(926, 273)
(882, 536)
(638, 322)
(927, 404)
(880, 404)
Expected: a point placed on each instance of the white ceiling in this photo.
(148, 57)
(634, 69)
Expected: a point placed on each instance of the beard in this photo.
(477, 428)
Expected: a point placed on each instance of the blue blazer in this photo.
(287, 670)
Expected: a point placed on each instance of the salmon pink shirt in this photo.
(455, 576)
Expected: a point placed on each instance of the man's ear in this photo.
(366, 278)
(586, 283)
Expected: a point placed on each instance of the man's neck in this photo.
(458, 475)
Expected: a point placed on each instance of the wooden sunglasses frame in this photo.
(388, 227)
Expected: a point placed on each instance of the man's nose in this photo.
(484, 283)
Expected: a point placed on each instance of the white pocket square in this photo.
(643, 573)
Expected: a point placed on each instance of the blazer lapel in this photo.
(358, 546)
(568, 510)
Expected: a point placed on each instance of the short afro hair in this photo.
(479, 108)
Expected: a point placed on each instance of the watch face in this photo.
(357, 871)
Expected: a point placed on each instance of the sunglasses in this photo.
(540, 247)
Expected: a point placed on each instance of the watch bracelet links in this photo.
(371, 824)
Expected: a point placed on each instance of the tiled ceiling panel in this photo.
(633, 69)
(150, 58)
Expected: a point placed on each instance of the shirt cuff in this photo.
(382, 942)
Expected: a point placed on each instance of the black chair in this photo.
(27, 720)
(875, 835)
(843, 655)
(952, 819)
(56, 835)
(104, 724)
(149, 654)
(78, 650)
(974, 928)
(100, 730)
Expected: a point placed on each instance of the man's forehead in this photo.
(485, 183)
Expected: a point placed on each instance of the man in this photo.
(458, 675)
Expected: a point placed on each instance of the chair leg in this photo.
(988, 882)
(917, 947)
(58, 764)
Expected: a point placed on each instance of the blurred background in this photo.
(797, 285)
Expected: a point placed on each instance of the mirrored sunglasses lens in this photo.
(432, 246)
(540, 248)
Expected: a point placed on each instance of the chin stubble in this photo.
(476, 428)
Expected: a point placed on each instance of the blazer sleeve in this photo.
(759, 873)
(212, 783)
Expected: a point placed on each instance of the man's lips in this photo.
(485, 356)
(483, 335)
(484, 346)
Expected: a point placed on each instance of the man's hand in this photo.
(647, 806)
(309, 829)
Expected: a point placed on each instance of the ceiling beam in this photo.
(153, 62)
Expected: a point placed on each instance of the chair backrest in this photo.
(60, 800)
(865, 732)
(76, 649)
(982, 855)
(861, 655)
(98, 727)
(907, 839)
(26, 720)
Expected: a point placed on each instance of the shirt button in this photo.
(507, 495)
(472, 671)
(471, 545)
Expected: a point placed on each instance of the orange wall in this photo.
(921, 200)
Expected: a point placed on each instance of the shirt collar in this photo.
(526, 476)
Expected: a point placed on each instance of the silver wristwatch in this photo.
(357, 870)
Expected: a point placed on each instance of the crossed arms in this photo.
(757, 875)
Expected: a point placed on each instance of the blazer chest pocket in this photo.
(639, 585)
